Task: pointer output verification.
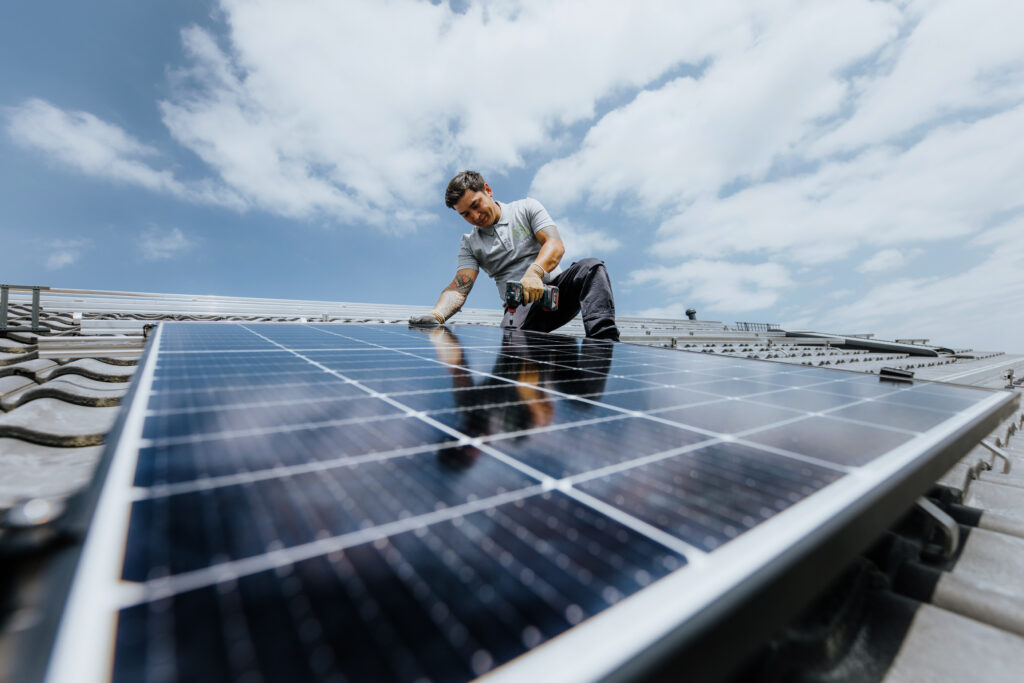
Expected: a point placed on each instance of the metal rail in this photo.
(35, 328)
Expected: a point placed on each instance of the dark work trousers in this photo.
(583, 286)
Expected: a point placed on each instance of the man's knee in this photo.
(590, 263)
(590, 271)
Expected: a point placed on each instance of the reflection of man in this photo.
(498, 406)
(519, 241)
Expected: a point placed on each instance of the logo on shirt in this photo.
(520, 232)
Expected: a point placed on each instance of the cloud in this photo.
(61, 258)
(887, 259)
(718, 285)
(952, 182)
(677, 152)
(959, 59)
(826, 129)
(759, 99)
(82, 141)
(352, 110)
(582, 241)
(160, 245)
(63, 253)
(976, 305)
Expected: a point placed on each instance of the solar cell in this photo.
(332, 502)
(709, 496)
(728, 417)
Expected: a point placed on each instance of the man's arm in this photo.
(551, 251)
(451, 299)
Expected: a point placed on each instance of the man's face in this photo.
(478, 207)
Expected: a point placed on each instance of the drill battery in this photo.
(514, 296)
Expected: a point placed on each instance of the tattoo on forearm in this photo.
(461, 284)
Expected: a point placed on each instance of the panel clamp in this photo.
(950, 529)
(999, 453)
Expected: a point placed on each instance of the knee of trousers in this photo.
(593, 270)
(590, 263)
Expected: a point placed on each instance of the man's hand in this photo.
(451, 300)
(429, 320)
(533, 285)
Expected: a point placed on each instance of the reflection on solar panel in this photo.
(343, 502)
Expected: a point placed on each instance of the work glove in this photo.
(533, 285)
(429, 320)
(447, 306)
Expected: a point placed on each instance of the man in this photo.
(519, 241)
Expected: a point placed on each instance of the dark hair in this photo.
(467, 180)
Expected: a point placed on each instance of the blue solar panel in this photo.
(352, 502)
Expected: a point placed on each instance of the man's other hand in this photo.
(533, 286)
(428, 320)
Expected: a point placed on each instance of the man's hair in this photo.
(467, 180)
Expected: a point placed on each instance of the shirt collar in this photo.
(504, 215)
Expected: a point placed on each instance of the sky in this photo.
(845, 166)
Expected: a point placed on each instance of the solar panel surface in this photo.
(339, 502)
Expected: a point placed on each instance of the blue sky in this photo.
(848, 166)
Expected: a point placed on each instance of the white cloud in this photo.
(757, 100)
(719, 285)
(674, 150)
(63, 252)
(887, 259)
(94, 147)
(960, 57)
(582, 241)
(354, 109)
(948, 185)
(975, 307)
(835, 128)
(161, 245)
(61, 258)
(971, 306)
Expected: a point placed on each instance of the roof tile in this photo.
(27, 368)
(91, 368)
(50, 422)
(71, 388)
(11, 346)
(12, 358)
(13, 383)
(35, 471)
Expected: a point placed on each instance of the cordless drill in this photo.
(514, 296)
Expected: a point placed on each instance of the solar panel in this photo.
(353, 502)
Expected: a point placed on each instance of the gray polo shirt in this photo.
(506, 249)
